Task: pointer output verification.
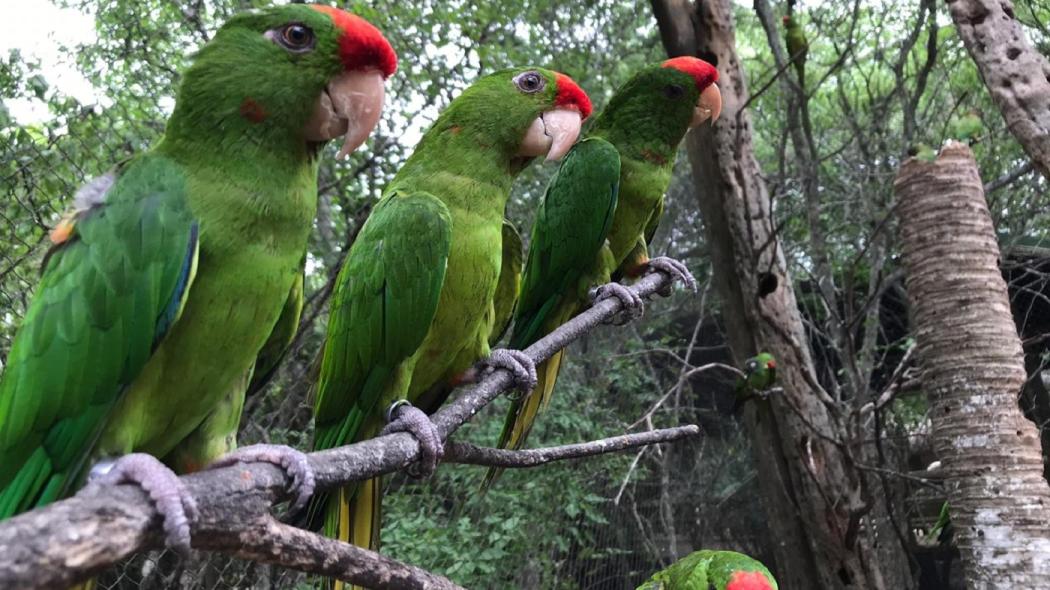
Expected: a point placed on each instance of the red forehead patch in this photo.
(570, 94)
(361, 45)
(748, 581)
(704, 73)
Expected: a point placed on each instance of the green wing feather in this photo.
(281, 338)
(385, 298)
(571, 226)
(108, 295)
(509, 286)
(567, 239)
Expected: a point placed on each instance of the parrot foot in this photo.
(673, 268)
(170, 496)
(521, 367)
(633, 306)
(402, 416)
(293, 462)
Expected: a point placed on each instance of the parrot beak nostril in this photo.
(350, 105)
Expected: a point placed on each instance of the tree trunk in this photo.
(973, 371)
(830, 532)
(1017, 76)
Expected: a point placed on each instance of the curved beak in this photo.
(552, 134)
(350, 106)
(709, 106)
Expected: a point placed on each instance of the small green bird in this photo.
(601, 210)
(713, 570)
(414, 304)
(797, 46)
(167, 278)
(968, 127)
(760, 374)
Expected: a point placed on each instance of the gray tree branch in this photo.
(73, 539)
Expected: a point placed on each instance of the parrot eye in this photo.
(530, 82)
(294, 37)
(674, 91)
(751, 366)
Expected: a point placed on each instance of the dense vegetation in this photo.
(882, 79)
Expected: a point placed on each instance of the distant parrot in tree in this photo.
(797, 46)
(167, 278)
(601, 210)
(713, 570)
(760, 374)
(413, 306)
(968, 127)
(923, 152)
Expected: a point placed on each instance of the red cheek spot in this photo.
(253, 111)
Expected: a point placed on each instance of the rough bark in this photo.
(816, 499)
(74, 539)
(973, 371)
(1017, 76)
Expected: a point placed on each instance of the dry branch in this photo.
(71, 540)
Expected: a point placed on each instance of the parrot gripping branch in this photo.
(71, 540)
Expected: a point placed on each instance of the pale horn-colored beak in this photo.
(552, 134)
(709, 106)
(350, 106)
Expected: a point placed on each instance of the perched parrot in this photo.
(168, 277)
(923, 152)
(713, 570)
(797, 46)
(967, 128)
(600, 211)
(760, 374)
(413, 306)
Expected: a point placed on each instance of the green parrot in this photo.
(923, 151)
(713, 570)
(413, 306)
(600, 211)
(760, 374)
(797, 46)
(967, 128)
(167, 278)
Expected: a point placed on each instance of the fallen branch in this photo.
(73, 539)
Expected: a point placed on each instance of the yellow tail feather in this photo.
(89, 585)
(537, 401)
(355, 518)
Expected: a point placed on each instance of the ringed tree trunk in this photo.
(830, 533)
(973, 371)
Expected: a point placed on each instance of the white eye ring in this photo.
(530, 82)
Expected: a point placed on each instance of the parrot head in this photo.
(708, 102)
(649, 115)
(786, 20)
(302, 74)
(524, 112)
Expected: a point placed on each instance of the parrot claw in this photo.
(633, 306)
(293, 462)
(402, 416)
(169, 494)
(521, 367)
(674, 269)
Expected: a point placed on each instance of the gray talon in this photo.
(675, 269)
(410, 419)
(518, 363)
(293, 462)
(633, 306)
(170, 496)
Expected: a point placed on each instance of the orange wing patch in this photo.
(64, 230)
